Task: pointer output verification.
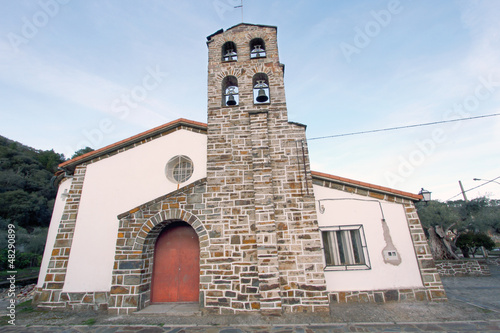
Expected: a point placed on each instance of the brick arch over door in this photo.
(133, 266)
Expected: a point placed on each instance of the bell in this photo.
(231, 100)
(261, 96)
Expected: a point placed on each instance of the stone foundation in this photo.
(466, 267)
(81, 301)
(385, 296)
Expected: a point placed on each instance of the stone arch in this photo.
(221, 41)
(162, 219)
(259, 68)
(249, 36)
(152, 229)
(133, 265)
(236, 72)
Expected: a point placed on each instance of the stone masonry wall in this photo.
(379, 296)
(137, 234)
(466, 267)
(49, 295)
(260, 186)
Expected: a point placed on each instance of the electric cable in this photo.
(403, 127)
(489, 181)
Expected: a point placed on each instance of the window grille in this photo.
(182, 171)
(179, 169)
(345, 248)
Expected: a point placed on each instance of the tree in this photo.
(438, 218)
(50, 159)
(26, 199)
(470, 242)
(82, 152)
(27, 209)
(488, 217)
(435, 213)
(441, 245)
(445, 222)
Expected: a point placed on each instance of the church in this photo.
(227, 214)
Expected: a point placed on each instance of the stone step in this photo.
(171, 309)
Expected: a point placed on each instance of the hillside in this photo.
(26, 198)
(26, 193)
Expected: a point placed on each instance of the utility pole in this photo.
(485, 253)
(463, 192)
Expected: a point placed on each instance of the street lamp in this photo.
(486, 180)
(426, 194)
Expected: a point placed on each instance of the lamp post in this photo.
(487, 180)
(426, 194)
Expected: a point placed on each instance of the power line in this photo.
(489, 181)
(402, 127)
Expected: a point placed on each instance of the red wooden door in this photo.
(176, 265)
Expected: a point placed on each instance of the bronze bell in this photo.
(261, 96)
(231, 100)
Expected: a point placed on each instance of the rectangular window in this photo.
(345, 248)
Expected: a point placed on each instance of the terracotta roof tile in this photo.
(367, 185)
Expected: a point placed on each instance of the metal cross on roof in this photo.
(240, 6)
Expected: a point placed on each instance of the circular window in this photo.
(179, 169)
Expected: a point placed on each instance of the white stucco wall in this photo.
(113, 186)
(53, 227)
(381, 275)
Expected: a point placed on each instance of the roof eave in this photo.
(71, 164)
(367, 186)
(220, 31)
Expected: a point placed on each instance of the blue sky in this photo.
(69, 67)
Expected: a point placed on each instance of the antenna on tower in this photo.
(240, 6)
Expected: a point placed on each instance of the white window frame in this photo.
(343, 257)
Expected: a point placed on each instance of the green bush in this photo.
(470, 242)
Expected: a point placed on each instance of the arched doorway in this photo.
(176, 265)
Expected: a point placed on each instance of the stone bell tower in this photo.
(266, 250)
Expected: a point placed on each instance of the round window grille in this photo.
(179, 169)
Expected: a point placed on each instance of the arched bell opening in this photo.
(229, 52)
(257, 48)
(260, 83)
(230, 91)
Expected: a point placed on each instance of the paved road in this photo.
(481, 326)
(483, 292)
(478, 294)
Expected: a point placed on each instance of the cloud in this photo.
(63, 81)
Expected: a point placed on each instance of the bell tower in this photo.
(261, 208)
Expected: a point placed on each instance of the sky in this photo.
(77, 73)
